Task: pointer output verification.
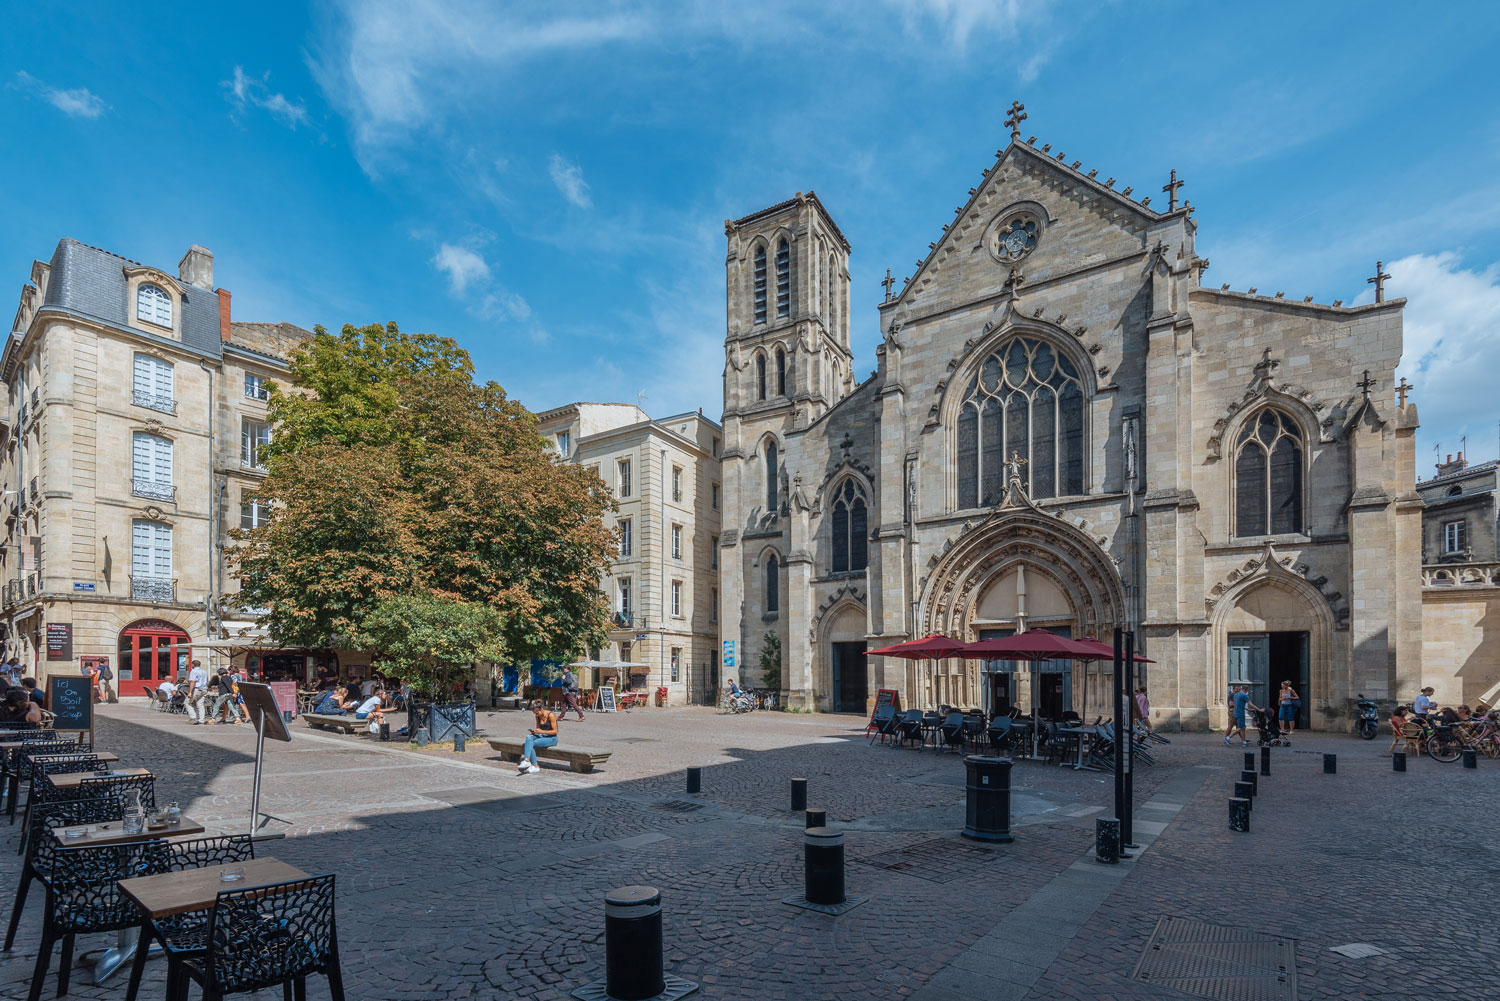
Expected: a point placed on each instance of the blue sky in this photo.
(547, 182)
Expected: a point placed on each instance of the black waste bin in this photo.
(987, 809)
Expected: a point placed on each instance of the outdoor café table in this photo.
(107, 756)
(1080, 734)
(113, 833)
(73, 780)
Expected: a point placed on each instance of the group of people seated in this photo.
(371, 699)
(21, 703)
(1425, 707)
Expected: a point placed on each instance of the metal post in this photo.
(799, 795)
(458, 741)
(1239, 815)
(1248, 777)
(816, 818)
(1243, 791)
(1127, 819)
(1265, 761)
(1250, 761)
(1330, 764)
(1471, 758)
(823, 865)
(260, 750)
(694, 780)
(1119, 704)
(1107, 840)
(385, 730)
(1398, 761)
(632, 943)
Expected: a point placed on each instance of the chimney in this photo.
(197, 267)
(1453, 465)
(223, 314)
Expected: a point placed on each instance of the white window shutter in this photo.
(142, 457)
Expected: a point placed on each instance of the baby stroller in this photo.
(1270, 730)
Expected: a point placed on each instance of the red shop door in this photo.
(149, 656)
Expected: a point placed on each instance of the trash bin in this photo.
(987, 807)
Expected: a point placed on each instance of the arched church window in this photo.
(760, 376)
(780, 372)
(771, 476)
(783, 279)
(1027, 398)
(1268, 476)
(773, 583)
(760, 283)
(851, 530)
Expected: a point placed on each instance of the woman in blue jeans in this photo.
(544, 734)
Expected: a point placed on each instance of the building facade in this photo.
(1066, 428)
(663, 585)
(1460, 522)
(129, 448)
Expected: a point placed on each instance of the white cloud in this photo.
(569, 180)
(462, 265)
(247, 90)
(79, 102)
(504, 306)
(1451, 351)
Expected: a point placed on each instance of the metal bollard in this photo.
(1250, 760)
(1248, 775)
(1107, 840)
(1243, 791)
(694, 780)
(1471, 758)
(987, 799)
(1265, 761)
(632, 943)
(421, 736)
(1330, 764)
(458, 742)
(799, 795)
(385, 730)
(823, 865)
(1398, 761)
(1239, 815)
(816, 818)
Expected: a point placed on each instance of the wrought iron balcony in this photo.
(153, 490)
(22, 416)
(151, 401)
(160, 590)
(257, 393)
(12, 592)
(33, 584)
(33, 490)
(624, 620)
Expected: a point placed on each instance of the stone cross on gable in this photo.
(1171, 189)
(1266, 366)
(1013, 466)
(1378, 281)
(1017, 116)
(1402, 389)
(889, 281)
(1366, 384)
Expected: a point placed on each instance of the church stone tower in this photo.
(787, 361)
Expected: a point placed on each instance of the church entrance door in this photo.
(1264, 660)
(850, 678)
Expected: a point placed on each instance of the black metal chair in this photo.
(974, 725)
(116, 786)
(265, 936)
(882, 722)
(183, 935)
(42, 846)
(18, 763)
(1001, 732)
(42, 768)
(911, 728)
(954, 732)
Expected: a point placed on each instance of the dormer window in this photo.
(153, 305)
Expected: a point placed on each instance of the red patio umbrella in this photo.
(934, 646)
(1107, 652)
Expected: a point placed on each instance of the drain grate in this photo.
(1219, 961)
(941, 860)
(677, 806)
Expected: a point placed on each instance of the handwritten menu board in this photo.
(70, 697)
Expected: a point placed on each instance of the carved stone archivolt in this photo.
(847, 592)
(1270, 567)
(1263, 388)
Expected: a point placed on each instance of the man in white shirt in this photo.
(197, 693)
(367, 688)
(1425, 703)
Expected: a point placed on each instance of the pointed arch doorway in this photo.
(1014, 603)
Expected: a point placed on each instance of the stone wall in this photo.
(1460, 641)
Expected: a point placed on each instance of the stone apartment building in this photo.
(663, 587)
(129, 446)
(1460, 523)
(1067, 427)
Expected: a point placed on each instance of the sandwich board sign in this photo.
(71, 699)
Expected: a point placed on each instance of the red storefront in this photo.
(151, 651)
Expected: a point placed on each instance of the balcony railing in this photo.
(624, 620)
(153, 490)
(151, 401)
(33, 584)
(12, 592)
(36, 399)
(22, 416)
(155, 589)
(1462, 575)
(257, 393)
(33, 490)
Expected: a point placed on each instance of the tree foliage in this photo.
(770, 660)
(392, 475)
(425, 640)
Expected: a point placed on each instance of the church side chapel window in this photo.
(850, 529)
(760, 284)
(1028, 399)
(783, 279)
(771, 472)
(760, 377)
(780, 372)
(773, 584)
(1268, 476)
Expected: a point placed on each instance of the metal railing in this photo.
(257, 393)
(22, 416)
(153, 490)
(157, 589)
(1462, 575)
(36, 399)
(11, 593)
(33, 584)
(152, 401)
(34, 490)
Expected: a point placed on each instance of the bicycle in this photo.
(734, 704)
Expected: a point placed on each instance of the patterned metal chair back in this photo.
(115, 787)
(85, 887)
(67, 764)
(270, 934)
(201, 852)
(41, 846)
(21, 757)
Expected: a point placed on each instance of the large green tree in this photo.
(399, 486)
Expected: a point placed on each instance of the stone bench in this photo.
(579, 759)
(346, 724)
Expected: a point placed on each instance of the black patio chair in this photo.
(42, 846)
(42, 768)
(881, 724)
(974, 726)
(183, 935)
(264, 936)
(1071, 718)
(18, 761)
(116, 787)
(954, 732)
(911, 728)
(1001, 732)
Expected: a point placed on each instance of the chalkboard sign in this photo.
(606, 701)
(70, 697)
(59, 641)
(883, 698)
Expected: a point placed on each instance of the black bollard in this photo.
(458, 742)
(385, 730)
(799, 795)
(816, 818)
(632, 943)
(1471, 758)
(1250, 760)
(1330, 764)
(987, 802)
(823, 865)
(1243, 791)
(1265, 761)
(1249, 776)
(1239, 815)
(1398, 761)
(694, 780)
(1107, 840)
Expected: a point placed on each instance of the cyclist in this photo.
(738, 695)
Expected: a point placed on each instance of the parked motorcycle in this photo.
(1366, 720)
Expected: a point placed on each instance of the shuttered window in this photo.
(151, 466)
(151, 383)
(151, 550)
(153, 305)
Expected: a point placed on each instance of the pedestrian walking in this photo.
(1143, 708)
(1237, 704)
(197, 693)
(544, 734)
(570, 692)
(1289, 703)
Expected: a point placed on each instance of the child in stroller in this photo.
(1270, 730)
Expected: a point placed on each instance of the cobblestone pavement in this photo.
(458, 878)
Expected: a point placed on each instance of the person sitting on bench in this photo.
(544, 734)
(371, 706)
(333, 703)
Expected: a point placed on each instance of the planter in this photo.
(441, 719)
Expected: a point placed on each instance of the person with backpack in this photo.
(570, 692)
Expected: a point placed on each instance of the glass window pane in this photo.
(1017, 429)
(1070, 461)
(859, 535)
(991, 453)
(1250, 491)
(840, 537)
(1286, 487)
(1043, 444)
(968, 457)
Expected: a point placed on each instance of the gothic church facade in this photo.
(1067, 429)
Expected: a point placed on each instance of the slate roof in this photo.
(91, 282)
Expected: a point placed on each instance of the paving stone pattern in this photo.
(458, 878)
